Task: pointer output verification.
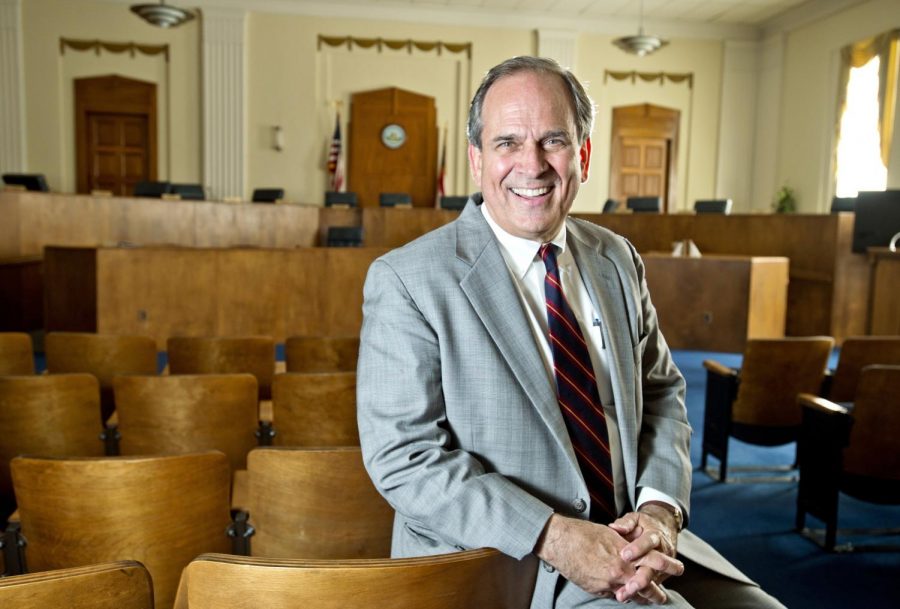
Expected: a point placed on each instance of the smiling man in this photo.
(514, 390)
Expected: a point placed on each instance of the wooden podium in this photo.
(884, 292)
(716, 303)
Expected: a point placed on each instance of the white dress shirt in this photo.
(528, 272)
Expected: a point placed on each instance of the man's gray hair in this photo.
(584, 106)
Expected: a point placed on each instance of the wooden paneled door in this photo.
(115, 133)
(642, 158)
(393, 146)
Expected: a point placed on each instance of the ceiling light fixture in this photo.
(641, 44)
(162, 14)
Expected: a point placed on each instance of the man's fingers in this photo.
(659, 562)
(626, 524)
(640, 546)
(641, 589)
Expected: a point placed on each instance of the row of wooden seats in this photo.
(165, 510)
(847, 442)
(478, 578)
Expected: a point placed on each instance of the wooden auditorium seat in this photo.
(123, 584)
(857, 352)
(315, 409)
(16, 353)
(188, 413)
(53, 415)
(224, 355)
(854, 451)
(757, 404)
(162, 511)
(315, 503)
(482, 579)
(103, 355)
(321, 353)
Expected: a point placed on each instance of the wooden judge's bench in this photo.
(827, 293)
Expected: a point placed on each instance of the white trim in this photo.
(12, 88)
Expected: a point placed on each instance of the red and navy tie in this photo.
(579, 398)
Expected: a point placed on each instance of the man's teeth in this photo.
(531, 192)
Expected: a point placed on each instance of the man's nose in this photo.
(532, 160)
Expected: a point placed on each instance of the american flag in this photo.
(335, 166)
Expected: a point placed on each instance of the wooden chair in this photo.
(103, 355)
(321, 353)
(16, 353)
(855, 451)
(758, 403)
(54, 415)
(857, 352)
(482, 579)
(225, 355)
(316, 409)
(162, 511)
(124, 584)
(188, 413)
(315, 503)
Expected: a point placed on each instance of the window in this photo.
(859, 164)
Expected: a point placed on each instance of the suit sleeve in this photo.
(408, 446)
(664, 444)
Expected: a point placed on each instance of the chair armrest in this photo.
(12, 544)
(240, 531)
(715, 367)
(820, 404)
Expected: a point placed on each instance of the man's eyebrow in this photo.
(559, 133)
(503, 138)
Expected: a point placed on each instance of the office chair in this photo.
(267, 195)
(839, 204)
(341, 198)
(456, 203)
(650, 205)
(189, 192)
(31, 181)
(344, 236)
(712, 206)
(393, 199)
(610, 206)
(152, 190)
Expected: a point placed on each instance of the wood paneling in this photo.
(162, 292)
(396, 227)
(21, 294)
(885, 296)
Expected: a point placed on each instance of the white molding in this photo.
(560, 45)
(804, 14)
(224, 102)
(12, 88)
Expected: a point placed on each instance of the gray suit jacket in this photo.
(459, 422)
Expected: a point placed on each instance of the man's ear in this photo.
(584, 157)
(475, 164)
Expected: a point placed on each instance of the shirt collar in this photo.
(520, 253)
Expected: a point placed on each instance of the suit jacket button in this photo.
(547, 567)
(580, 505)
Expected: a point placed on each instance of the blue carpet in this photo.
(752, 523)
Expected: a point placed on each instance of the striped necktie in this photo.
(579, 399)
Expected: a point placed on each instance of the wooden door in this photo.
(393, 146)
(643, 153)
(115, 133)
(118, 155)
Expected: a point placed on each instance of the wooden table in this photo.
(715, 303)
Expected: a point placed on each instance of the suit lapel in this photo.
(492, 294)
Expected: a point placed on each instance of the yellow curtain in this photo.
(885, 47)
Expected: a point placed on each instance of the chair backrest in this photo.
(315, 503)
(267, 195)
(839, 204)
(644, 204)
(28, 181)
(224, 355)
(344, 236)
(712, 206)
(874, 448)
(16, 353)
(773, 372)
(162, 511)
(482, 578)
(103, 355)
(123, 584)
(315, 409)
(153, 190)
(189, 192)
(856, 353)
(453, 202)
(47, 414)
(321, 353)
(392, 199)
(340, 198)
(178, 414)
(610, 206)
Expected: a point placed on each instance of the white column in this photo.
(768, 122)
(12, 88)
(737, 123)
(559, 45)
(223, 102)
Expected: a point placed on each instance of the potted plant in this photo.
(785, 201)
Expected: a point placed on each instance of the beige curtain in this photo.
(885, 47)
